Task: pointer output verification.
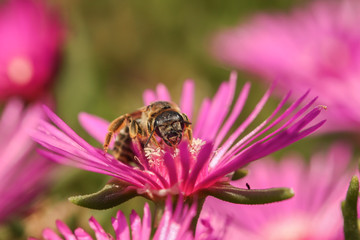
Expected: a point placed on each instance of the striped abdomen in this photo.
(122, 148)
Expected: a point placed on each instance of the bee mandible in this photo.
(163, 119)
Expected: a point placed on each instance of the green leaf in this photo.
(240, 173)
(110, 196)
(233, 194)
(349, 210)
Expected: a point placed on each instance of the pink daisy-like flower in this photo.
(202, 167)
(313, 213)
(22, 170)
(315, 48)
(31, 37)
(175, 224)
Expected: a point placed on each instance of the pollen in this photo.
(196, 146)
(322, 107)
(155, 155)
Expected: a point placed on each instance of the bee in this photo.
(162, 119)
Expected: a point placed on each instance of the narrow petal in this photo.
(146, 223)
(149, 97)
(65, 230)
(62, 125)
(250, 137)
(201, 161)
(99, 231)
(170, 165)
(234, 114)
(82, 235)
(220, 108)
(241, 128)
(216, 111)
(162, 230)
(121, 227)
(49, 234)
(259, 150)
(95, 126)
(202, 117)
(248, 120)
(162, 93)
(185, 162)
(187, 98)
(135, 223)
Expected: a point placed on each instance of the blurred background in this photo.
(113, 51)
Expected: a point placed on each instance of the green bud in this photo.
(110, 196)
(229, 193)
(238, 174)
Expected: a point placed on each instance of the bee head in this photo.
(169, 125)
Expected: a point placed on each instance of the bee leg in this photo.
(150, 133)
(154, 141)
(187, 129)
(188, 132)
(134, 129)
(114, 127)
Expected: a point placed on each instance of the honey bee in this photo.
(161, 118)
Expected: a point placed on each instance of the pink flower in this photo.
(190, 168)
(174, 224)
(317, 48)
(31, 37)
(22, 170)
(313, 213)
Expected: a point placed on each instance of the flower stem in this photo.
(200, 203)
(159, 212)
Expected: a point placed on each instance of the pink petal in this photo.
(201, 161)
(170, 165)
(162, 93)
(95, 126)
(149, 97)
(49, 234)
(82, 235)
(65, 230)
(234, 114)
(187, 98)
(135, 223)
(99, 231)
(146, 223)
(202, 117)
(121, 227)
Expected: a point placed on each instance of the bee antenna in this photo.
(148, 140)
(186, 122)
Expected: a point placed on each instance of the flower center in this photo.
(20, 70)
(155, 155)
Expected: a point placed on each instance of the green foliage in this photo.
(349, 210)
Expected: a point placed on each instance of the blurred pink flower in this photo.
(30, 39)
(22, 170)
(187, 169)
(174, 225)
(313, 213)
(317, 48)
